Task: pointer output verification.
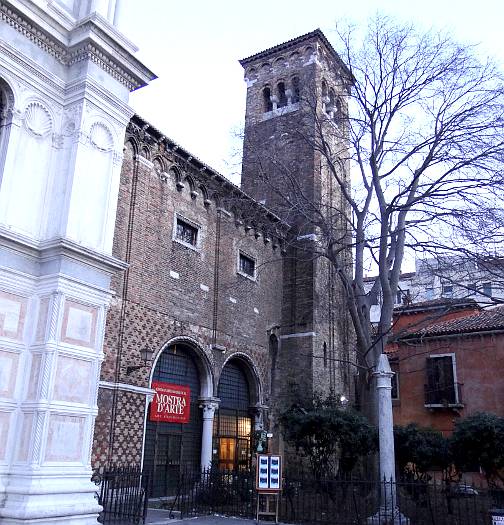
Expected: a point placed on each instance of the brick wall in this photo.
(171, 290)
(479, 369)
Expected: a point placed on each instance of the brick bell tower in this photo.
(296, 95)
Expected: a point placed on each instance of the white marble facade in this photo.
(63, 113)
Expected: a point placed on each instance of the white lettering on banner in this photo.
(171, 403)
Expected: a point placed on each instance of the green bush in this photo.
(419, 450)
(478, 441)
(331, 437)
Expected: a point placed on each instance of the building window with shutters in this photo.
(442, 389)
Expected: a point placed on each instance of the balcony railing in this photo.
(443, 395)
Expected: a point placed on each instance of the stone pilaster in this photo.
(61, 137)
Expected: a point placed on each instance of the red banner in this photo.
(171, 403)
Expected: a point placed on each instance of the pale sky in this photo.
(193, 46)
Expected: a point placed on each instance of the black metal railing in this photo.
(338, 501)
(443, 396)
(330, 500)
(122, 492)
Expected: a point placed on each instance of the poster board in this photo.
(269, 473)
(171, 403)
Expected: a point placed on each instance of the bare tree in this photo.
(419, 125)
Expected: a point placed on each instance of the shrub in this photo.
(331, 437)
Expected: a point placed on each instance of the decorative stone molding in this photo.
(38, 37)
(86, 50)
(124, 387)
(38, 119)
(58, 140)
(101, 137)
(117, 158)
(209, 405)
(91, 52)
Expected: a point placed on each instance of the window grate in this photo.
(247, 265)
(233, 388)
(186, 232)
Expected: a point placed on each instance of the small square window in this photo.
(247, 266)
(447, 290)
(487, 289)
(186, 233)
(403, 296)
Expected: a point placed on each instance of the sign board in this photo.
(269, 473)
(171, 403)
(498, 520)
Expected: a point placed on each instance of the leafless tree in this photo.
(420, 128)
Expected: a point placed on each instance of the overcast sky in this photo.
(193, 46)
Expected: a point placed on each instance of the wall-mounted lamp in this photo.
(219, 348)
(146, 354)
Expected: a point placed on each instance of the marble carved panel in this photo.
(42, 320)
(79, 324)
(12, 315)
(73, 377)
(8, 373)
(65, 438)
(4, 432)
(34, 376)
(24, 442)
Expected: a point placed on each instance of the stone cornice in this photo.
(125, 387)
(145, 133)
(91, 43)
(56, 248)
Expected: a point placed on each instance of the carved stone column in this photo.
(209, 406)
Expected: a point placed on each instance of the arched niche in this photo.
(6, 111)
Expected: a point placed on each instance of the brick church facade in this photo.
(217, 298)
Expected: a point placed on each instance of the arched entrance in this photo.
(173, 435)
(233, 422)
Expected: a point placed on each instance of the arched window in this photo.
(338, 112)
(282, 97)
(330, 107)
(295, 90)
(324, 90)
(232, 422)
(268, 105)
(6, 105)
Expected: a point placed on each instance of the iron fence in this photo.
(338, 501)
(122, 492)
